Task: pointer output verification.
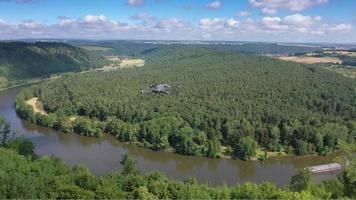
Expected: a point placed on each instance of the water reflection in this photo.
(102, 155)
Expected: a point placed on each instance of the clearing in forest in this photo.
(132, 63)
(37, 105)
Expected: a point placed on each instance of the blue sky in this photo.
(252, 20)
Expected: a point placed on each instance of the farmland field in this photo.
(311, 60)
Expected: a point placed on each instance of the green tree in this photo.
(5, 131)
(303, 180)
(128, 165)
(246, 148)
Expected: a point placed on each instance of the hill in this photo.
(19, 60)
(216, 98)
(141, 48)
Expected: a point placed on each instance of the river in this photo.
(103, 155)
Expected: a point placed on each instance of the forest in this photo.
(20, 61)
(219, 103)
(141, 48)
(24, 175)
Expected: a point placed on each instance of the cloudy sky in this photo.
(243, 20)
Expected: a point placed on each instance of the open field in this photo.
(132, 63)
(311, 60)
(36, 105)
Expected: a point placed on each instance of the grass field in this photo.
(311, 60)
(131, 63)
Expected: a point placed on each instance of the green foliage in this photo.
(50, 178)
(20, 60)
(135, 48)
(22, 146)
(246, 148)
(128, 166)
(216, 99)
(335, 187)
(3, 82)
(349, 178)
(303, 180)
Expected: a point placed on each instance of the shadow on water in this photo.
(102, 155)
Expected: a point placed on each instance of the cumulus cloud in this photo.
(243, 14)
(135, 3)
(272, 6)
(143, 16)
(273, 23)
(288, 28)
(214, 5)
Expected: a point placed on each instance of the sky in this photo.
(326, 21)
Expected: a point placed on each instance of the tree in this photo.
(143, 193)
(128, 165)
(5, 131)
(23, 146)
(246, 148)
(301, 181)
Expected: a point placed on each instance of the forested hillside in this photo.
(19, 61)
(24, 175)
(142, 48)
(217, 98)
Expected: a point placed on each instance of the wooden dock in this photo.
(325, 168)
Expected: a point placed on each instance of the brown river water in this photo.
(102, 155)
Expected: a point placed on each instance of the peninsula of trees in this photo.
(242, 102)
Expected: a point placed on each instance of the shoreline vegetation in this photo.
(226, 151)
(261, 154)
(41, 177)
(315, 121)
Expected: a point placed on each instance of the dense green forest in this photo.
(24, 175)
(240, 101)
(143, 48)
(20, 61)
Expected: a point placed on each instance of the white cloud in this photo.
(95, 18)
(214, 5)
(272, 6)
(273, 23)
(340, 27)
(207, 23)
(143, 16)
(243, 14)
(135, 3)
(232, 23)
(295, 27)
(2, 21)
(298, 20)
